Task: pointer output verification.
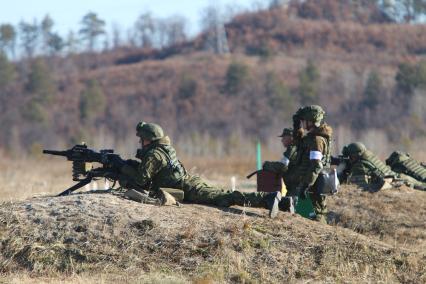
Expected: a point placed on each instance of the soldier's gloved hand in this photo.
(116, 161)
(267, 166)
(132, 163)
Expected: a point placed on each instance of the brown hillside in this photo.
(88, 234)
(275, 31)
(220, 105)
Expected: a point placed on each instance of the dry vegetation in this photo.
(102, 238)
(372, 237)
(199, 106)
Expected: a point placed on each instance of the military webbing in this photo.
(326, 159)
(412, 168)
(174, 165)
(379, 167)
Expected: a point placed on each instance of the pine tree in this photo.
(236, 77)
(7, 71)
(373, 90)
(40, 82)
(92, 101)
(92, 28)
(309, 79)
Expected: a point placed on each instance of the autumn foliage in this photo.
(213, 101)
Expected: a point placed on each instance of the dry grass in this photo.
(100, 233)
(396, 216)
(102, 238)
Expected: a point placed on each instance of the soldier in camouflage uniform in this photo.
(403, 163)
(313, 140)
(367, 170)
(285, 166)
(159, 168)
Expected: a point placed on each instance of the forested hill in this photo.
(365, 69)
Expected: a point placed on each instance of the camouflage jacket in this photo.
(403, 163)
(159, 167)
(370, 164)
(313, 154)
(370, 168)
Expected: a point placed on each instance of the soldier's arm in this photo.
(275, 167)
(317, 150)
(148, 168)
(280, 167)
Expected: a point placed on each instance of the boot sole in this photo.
(273, 212)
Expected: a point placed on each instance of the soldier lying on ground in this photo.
(403, 163)
(366, 170)
(159, 168)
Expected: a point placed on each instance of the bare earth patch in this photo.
(104, 238)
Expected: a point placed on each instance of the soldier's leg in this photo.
(320, 206)
(410, 181)
(198, 191)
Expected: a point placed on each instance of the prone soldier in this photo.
(159, 168)
(403, 163)
(367, 170)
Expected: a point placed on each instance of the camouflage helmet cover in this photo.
(313, 113)
(355, 149)
(149, 131)
(397, 157)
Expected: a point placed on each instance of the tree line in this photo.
(29, 38)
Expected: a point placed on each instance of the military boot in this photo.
(272, 201)
(287, 204)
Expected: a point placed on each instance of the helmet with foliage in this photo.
(313, 113)
(354, 149)
(149, 131)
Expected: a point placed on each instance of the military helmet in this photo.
(313, 113)
(397, 157)
(354, 149)
(287, 132)
(149, 131)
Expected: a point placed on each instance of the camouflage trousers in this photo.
(410, 181)
(320, 206)
(196, 190)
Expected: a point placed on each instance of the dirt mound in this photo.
(396, 216)
(103, 233)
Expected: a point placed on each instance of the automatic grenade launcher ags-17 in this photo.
(82, 171)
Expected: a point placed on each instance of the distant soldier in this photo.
(159, 168)
(367, 170)
(403, 163)
(313, 139)
(285, 167)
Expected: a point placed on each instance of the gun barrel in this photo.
(56, 153)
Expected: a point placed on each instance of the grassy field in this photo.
(101, 238)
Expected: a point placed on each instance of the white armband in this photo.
(315, 155)
(285, 161)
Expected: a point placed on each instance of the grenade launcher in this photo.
(82, 171)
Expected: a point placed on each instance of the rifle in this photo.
(81, 157)
(335, 161)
